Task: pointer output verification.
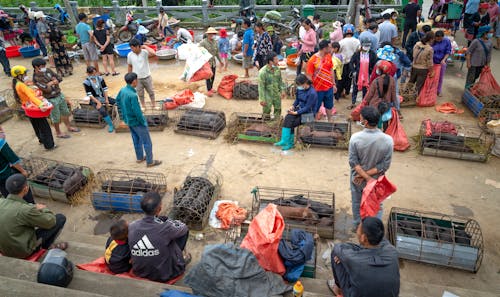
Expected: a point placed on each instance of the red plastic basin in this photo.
(12, 51)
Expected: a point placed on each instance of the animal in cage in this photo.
(325, 134)
(246, 90)
(5, 114)
(300, 213)
(261, 130)
(409, 94)
(87, 116)
(129, 186)
(67, 179)
(200, 122)
(254, 127)
(156, 120)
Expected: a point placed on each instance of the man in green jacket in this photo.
(129, 105)
(271, 87)
(26, 227)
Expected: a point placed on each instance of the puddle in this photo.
(462, 211)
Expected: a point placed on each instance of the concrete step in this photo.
(69, 236)
(85, 249)
(10, 287)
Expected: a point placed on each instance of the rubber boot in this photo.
(290, 144)
(108, 121)
(285, 136)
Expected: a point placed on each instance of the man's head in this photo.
(370, 232)
(426, 28)
(211, 32)
(439, 36)
(373, 27)
(82, 17)
(91, 70)
(387, 16)
(483, 8)
(366, 44)
(324, 46)
(246, 23)
(17, 184)
(135, 46)
(100, 23)
(316, 18)
(162, 10)
(39, 65)
(272, 59)
(175, 27)
(119, 230)
(131, 79)
(151, 203)
(369, 117)
(240, 35)
(259, 27)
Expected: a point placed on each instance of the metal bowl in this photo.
(166, 54)
(238, 58)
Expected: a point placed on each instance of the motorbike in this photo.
(63, 15)
(285, 29)
(129, 30)
(245, 12)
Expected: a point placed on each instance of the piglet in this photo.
(297, 213)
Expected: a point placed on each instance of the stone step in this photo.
(10, 287)
(69, 236)
(85, 249)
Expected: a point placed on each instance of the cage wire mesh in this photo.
(246, 90)
(88, 116)
(312, 211)
(156, 117)
(486, 115)
(122, 190)
(334, 134)
(253, 127)
(58, 180)
(200, 122)
(8, 96)
(490, 101)
(451, 140)
(194, 200)
(408, 92)
(436, 238)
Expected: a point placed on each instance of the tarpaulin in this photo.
(375, 191)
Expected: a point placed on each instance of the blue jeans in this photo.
(41, 44)
(356, 195)
(325, 97)
(355, 92)
(5, 62)
(142, 143)
(169, 29)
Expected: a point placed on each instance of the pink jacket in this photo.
(309, 41)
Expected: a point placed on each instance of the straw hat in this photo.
(211, 30)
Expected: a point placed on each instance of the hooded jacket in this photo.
(422, 56)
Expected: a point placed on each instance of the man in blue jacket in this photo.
(128, 102)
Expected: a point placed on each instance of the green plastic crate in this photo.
(454, 11)
(308, 10)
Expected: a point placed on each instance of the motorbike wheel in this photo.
(125, 36)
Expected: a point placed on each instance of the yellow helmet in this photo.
(18, 70)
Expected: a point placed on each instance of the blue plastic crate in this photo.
(117, 202)
(472, 103)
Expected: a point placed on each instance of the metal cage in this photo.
(246, 90)
(436, 238)
(409, 93)
(463, 142)
(7, 96)
(156, 117)
(122, 190)
(87, 116)
(200, 122)
(253, 127)
(58, 180)
(326, 134)
(486, 115)
(322, 204)
(194, 200)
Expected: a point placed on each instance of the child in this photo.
(338, 65)
(223, 48)
(117, 253)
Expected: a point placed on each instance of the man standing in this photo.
(412, 13)
(48, 82)
(133, 117)
(320, 71)
(368, 269)
(370, 154)
(471, 8)
(138, 63)
(478, 55)
(3, 58)
(388, 31)
(271, 87)
(247, 47)
(414, 38)
(26, 227)
(370, 34)
(348, 46)
(86, 35)
(157, 243)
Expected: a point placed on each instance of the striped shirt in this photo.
(321, 71)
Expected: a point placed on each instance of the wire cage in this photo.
(58, 180)
(5, 111)
(156, 117)
(436, 238)
(194, 200)
(486, 115)
(246, 90)
(7, 96)
(253, 127)
(312, 211)
(87, 116)
(408, 92)
(326, 134)
(200, 122)
(450, 140)
(122, 190)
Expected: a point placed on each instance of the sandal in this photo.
(187, 258)
(74, 129)
(351, 106)
(64, 136)
(140, 161)
(106, 74)
(115, 73)
(155, 163)
(61, 245)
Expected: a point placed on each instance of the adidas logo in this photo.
(144, 248)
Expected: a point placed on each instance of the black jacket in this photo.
(355, 63)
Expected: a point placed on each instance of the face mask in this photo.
(43, 69)
(394, 17)
(378, 72)
(489, 35)
(26, 78)
(300, 88)
(365, 48)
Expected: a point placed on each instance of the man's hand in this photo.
(443, 62)
(263, 103)
(40, 206)
(358, 180)
(292, 108)
(468, 64)
(283, 95)
(292, 112)
(336, 260)
(99, 105)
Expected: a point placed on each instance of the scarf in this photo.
(363, 76)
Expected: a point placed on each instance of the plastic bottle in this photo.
(298, 289)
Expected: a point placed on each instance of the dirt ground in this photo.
(447, 186)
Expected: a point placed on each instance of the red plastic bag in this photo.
(448, 107)
(205, 72)
(230, 214)
(170, 104)
(375, 191)
(263, 238)
(428, 94)
(439, 127)
(184, 97)
(226, 86)
(356, 112)
(487, 85)
(397, 132)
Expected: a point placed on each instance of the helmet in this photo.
(384, 67)
(348, 28)
(18, 70)
(56, 269)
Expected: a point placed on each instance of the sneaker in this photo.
(155, 163)
(210, 93)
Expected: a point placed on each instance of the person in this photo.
(117, 254)
(388, 31)
(61, 59)
(442, 50)
(271, 87)
(370, 155)
(3, 58)
(394, 18)
(318, 27)
(142, 35)
(305, 102)
(35, 26)
(102, 39)
(275, 40)
(471, 7)
(236, 43)
(128, 102)
(414, 38)
(435, 9)
(182, 35)
(157, 243)
(86, 35)
(422, 61)
(478, 19)
(371, 35)
(497, 31)
(370, 268)
(26, 227)
(362, 64)
(97, 91)
(338, 65)
(320, 71)
(478, 54)
(308, 44)
(493, 12)
(412, 13)
(23, 94)
(48, 82)
(211, 46)
(348, 46)
(138, 63)
(163, 25)
(264, 46)
(223, 45)
(247, 46)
